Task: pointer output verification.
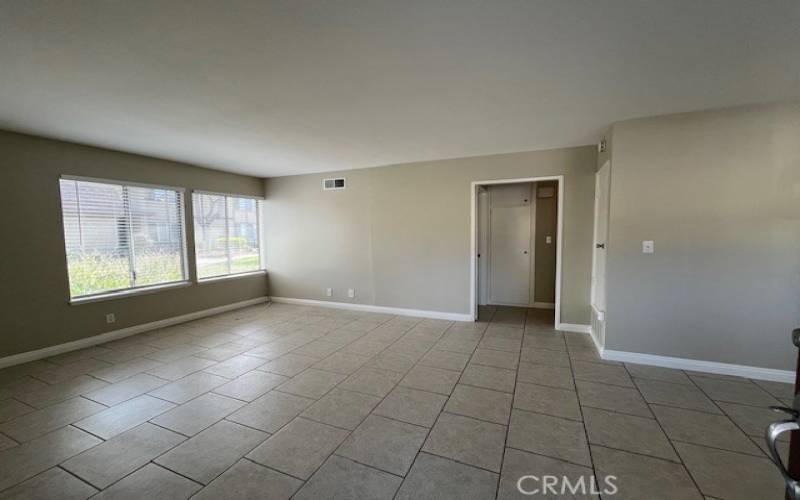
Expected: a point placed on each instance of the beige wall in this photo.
(545, 254)
(35, 292)
(400, 235)
(719, 192)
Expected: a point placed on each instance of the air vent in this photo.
(330, 184)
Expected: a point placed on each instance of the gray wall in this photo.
(545, 255)
(35, 292)
(719, 192)
(400, 235)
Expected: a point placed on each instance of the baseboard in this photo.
(573, 327)
(544, 305)
(597, 345)
(754, 372)
(420, 313)
(46, 352)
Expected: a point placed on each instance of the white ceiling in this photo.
(276, 88)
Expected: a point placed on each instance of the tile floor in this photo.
(285, 401)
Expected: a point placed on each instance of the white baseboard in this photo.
(597, 345)
(46, 352)
(700, 366)
(573, 327)
(420, 313)
(544, 305)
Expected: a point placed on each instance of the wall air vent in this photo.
(332, 184)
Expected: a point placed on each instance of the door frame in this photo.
(593, 284)
(473, 264)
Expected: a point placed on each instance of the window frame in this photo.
(259, 236)
(133, 290)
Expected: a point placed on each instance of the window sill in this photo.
(128, 293)
(226, 277)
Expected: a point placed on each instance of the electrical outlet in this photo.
(351, 293)
(548, 239)
(110, 318)
(329, 292)
(648, 246)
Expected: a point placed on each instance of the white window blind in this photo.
(226, 234)
(121, 237)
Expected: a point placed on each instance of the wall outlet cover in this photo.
(329, 292)
(111, 318)
(351, 293)
(648, 246)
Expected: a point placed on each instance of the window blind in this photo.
(226, 234)
(120, 236)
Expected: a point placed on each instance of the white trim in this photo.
(473, 264)
(229, 195)
(128, 292)
(697, 365)
(544, 305)
(114, 182)
(574, 327)
(223, 277)
(46, 352)
(420, 313)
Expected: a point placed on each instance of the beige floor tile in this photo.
(550, 436)
(271, 411)
(247, 480)
(251, 385)
(547, 400)
(637, 476)
(289, 364)
(311, 383)
(729, 475)
(109, 462)
(235, 366)
(467, 440)
(544, 357)
(497, 359)
(342, 362)
(412, 406)
(118, 419)
(53, 483)
(518, 463)
(483, 404)
(198, 414)
(340, 408)
(11, 408)
(299, 448)
(151, 482)
(27, 460)
(345, 479)
(552, 376)
(126, 389)
(695, 427)
(629, 433)
(385, 444)
(431, 379)
(612, 397)
(602, 373)
(489, 377)
(735, 392)
(212, 451)
(189, 387)
(121, 371)
(37, 423)
(178, 369)
(658, 373)
(51, 394)
(372, 381)
(433, 477)
(677, 395)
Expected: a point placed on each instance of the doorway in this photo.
(516, 227)
(598, 290)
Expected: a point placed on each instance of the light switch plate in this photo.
(648, 246)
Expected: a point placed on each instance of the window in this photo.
(226, 234)
(121, 237)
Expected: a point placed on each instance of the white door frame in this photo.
(593, 285)
(473, 264)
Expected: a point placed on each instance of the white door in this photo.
(509, 248)
(483, 246)
(602, 186)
